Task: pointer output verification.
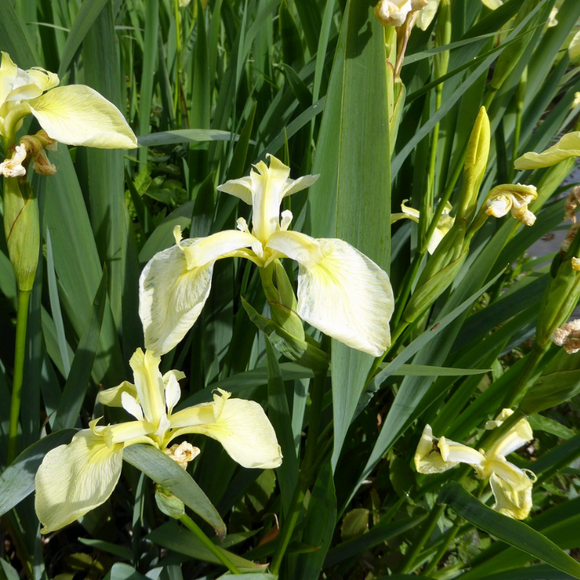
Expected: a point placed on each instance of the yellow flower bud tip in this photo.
(183, 453)
(393, 12)
(576, 100)
(575, 264)
(568, 336)
(552, 20)
(13, 167)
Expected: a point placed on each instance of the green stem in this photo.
(450, 536)
(19, 359)
(215, 550)
(533, 360)
(306, 470)
(428, 201)
(427, 530)
(288, 528)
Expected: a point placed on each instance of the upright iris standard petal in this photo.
(78, 115)
(264, 189)
(76, 478)
(240, 426)
(340, 291)
(175, 284)
(149, 385)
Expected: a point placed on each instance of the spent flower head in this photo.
(568, 335)
(512, 198)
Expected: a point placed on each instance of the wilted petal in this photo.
(499, 206)
(78, 115)
(340, 291)
(240, 426)
(13, 167)
(76, 478)
(171, 298)
(567, 146)
(513, 502)
(428, 455)
(393, 12)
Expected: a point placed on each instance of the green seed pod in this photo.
(168, 503)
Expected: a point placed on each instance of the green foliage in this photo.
(211, 88)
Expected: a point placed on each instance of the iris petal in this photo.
(171, 298)
(78, 115)
(240, 426)
(340, 291)
(76, 478)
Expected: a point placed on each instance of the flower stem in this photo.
(306, 470)
(215, 550)
(288, 528)
(451, 534)
(19, 358)
(430, 523)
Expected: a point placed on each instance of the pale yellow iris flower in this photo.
(511, 486)
(74, 114)
(76, 478)
(340, 291)
(444, 224)
(567, 146)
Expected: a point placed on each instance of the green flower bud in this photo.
(22, 227)
(475, 164)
